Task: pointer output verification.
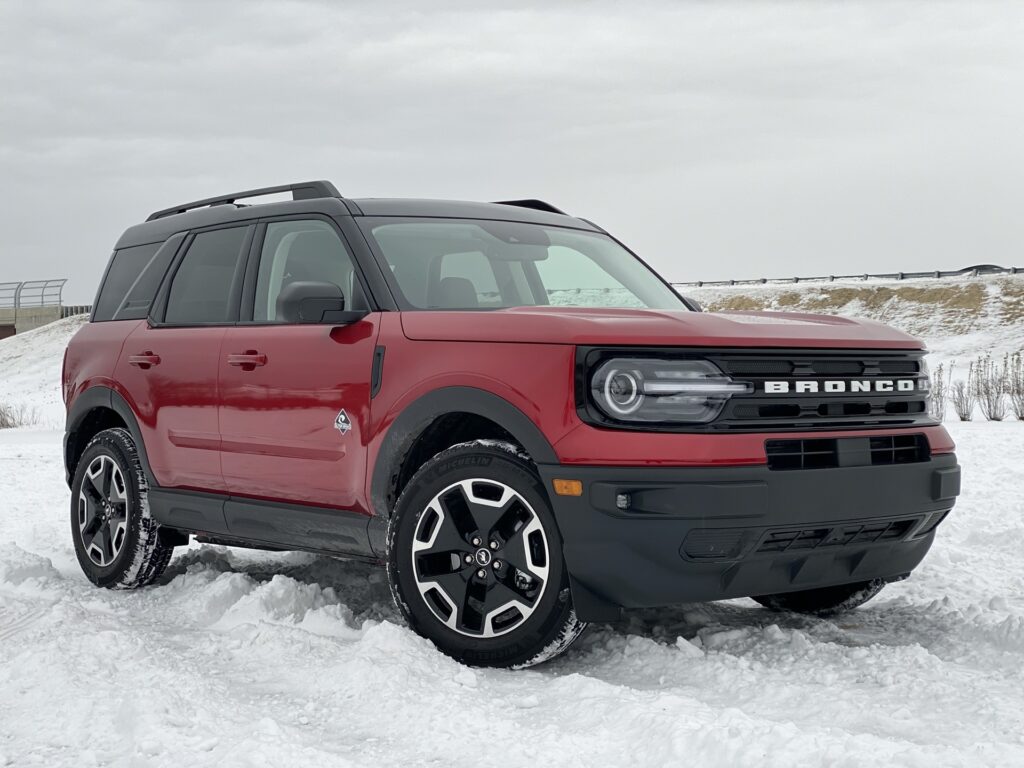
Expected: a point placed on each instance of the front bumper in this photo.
(695, 534)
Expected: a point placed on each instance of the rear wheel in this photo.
(475, 559)
(826, 601)
(117, 542)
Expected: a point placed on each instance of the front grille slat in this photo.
(794, 407)
(829, 453)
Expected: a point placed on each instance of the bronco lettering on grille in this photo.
(839, 386)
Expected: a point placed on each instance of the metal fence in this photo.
(32, 293)
(983, 269)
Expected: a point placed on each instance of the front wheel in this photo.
(475, 559)
(825, 601)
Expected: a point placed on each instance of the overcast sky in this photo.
(717, 139)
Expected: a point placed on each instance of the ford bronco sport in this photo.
(498, 401)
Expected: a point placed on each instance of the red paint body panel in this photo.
(648, 327)
(175, 401)
(279, 440)
(91, 357)
(272, 426)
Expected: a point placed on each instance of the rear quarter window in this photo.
(126, 266)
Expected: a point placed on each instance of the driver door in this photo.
(295, 398)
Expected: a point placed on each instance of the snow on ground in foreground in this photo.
(243, 658)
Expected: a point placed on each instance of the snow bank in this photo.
(30, 365)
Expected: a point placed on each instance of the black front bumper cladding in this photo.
(654, 536)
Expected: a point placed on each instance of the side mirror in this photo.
(693, 304)
(314, 302)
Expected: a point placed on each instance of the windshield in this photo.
(482, 264)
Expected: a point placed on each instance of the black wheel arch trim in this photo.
(419, 414)
(90, 400)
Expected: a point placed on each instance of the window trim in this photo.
(158, 310)
(248, 293)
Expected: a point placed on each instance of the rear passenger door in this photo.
(295, 397)
(168, 366)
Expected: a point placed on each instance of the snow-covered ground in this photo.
(243, 658)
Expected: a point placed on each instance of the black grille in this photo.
(834, 374)
(837, 536)
(819, 453)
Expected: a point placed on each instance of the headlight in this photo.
(650, 390)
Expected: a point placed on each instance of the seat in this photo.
(456, 293)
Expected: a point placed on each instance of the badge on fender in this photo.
(342, 423)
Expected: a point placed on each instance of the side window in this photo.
(467, 281)
(303, 250)
(140, 296)
(201, 288)
(125, 268)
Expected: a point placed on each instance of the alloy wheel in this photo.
(480, 558)
(103, 510)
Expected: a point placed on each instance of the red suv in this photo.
(499, 401)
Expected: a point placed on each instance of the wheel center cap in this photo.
(483, 556)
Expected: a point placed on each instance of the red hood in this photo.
(571, 325)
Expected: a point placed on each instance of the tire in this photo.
(500, 604)
(117, 542)
(826, 601)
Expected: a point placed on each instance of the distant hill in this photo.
(958, 317)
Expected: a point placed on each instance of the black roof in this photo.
(323, 197)
(459, 209)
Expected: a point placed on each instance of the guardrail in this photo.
(32, 293)
(983, 269)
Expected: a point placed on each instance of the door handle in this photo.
(144, 361)
(248, 360)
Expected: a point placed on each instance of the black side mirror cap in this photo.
(315, 302)
(693, 304)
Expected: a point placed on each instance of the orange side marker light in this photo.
(568, 487)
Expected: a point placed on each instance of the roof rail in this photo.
(537, 205)
(303, 190)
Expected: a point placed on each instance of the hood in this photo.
(648, 327)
